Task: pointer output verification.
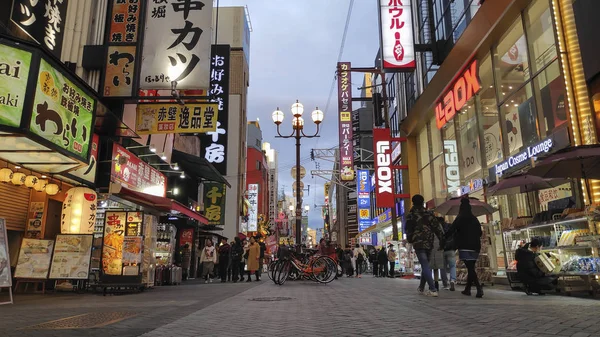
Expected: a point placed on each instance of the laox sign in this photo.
(463, 88)
(383, 168)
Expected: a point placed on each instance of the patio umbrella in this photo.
(523, 183)
(572, 162)
(451, 207)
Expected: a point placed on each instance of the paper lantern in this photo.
(30, 181)
(18, 178)
(5, 174)
(40, 185)
(52, 189)
(79, 211)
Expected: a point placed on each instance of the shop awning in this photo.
(198, 167)
(160, 204)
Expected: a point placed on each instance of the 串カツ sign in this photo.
(384, 181)
(458, 94)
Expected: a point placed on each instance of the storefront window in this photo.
(436, 140)
(439, 177)
(512, 67)
(520, 116)
(553, 97)
(470, 148)
(423, 148)
(540, 34)
(425, 182)
(488, 115)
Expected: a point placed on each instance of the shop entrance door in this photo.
(53, 219)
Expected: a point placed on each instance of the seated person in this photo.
(530, 274)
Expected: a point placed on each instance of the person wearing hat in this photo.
(534, 279)
(421, 226)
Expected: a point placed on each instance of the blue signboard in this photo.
(364, 224)
(363, 184)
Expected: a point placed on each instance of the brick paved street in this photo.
(347, 307)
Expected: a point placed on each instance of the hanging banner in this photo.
(176, 118)
(34, 259)
(345, 121)
(213, 145)
(177, 45)
(214, 203)
(396, 35)
(5, 278)
(186, 236)
(62, 113)
(13, 84)
(42, 20)
(71, 258)
(119, 71)
(135, 174)
(384, 182)
(253, 209)
(124, 21)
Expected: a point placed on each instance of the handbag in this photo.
(247, 254)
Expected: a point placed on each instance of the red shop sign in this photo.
(135, 174)
(457, 95)
(186, 236)
(384, 181)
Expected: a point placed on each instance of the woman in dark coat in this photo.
(467, 236)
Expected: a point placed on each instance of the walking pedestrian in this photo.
(208, 259)
(237, 252)
(252, 257)
(224, 261)
(437, 265)
(359, 259)
(243, 262)
(373, 260)
(421, 225)
(186, 256)
(467, 234)
(348, 262)
(449, 255)
(391, 256)
(383, 262)
(231, 263)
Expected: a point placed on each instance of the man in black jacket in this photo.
(374, 261)
(529, 273)
(224, 251)
(383, 262)
(236, 259)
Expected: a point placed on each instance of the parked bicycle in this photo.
(321, 269)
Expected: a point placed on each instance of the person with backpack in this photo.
(374, 261)
(224, 262)
(359, 259)
(421, 226)
(236, 259)
(383, 262)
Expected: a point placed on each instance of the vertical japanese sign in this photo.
(363, 185)
(88, 173)
(396, 35)
(62, 113)
(112, 249)
(122, 39)
(13, 84)
(177, 44)
(253, 211)
(42, 20)
(345, 121)
(135, 174)
(175, 118)
(214, 203)
(384, 182)
(5, 278)
(186, 236)
(213, 145)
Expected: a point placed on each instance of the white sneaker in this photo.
(430, 293)
(205, 281)
(210, 280)
(420, 291)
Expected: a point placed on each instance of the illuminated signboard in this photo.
(458, 94)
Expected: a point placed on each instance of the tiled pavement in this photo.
(347, 307)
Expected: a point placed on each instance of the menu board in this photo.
(34, 259)
(112, 250)
(5, 279)
(132, 250)
(71, 259)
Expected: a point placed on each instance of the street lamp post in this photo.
(298, 133)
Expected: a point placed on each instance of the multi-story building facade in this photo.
(257, 168)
